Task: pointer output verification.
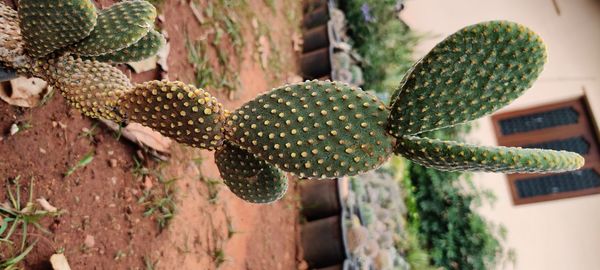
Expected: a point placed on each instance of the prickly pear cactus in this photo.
(472, 73)
(249, 177)
(314, 129)
(119, 26)
(49, 25)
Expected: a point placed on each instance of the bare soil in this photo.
(100, 200)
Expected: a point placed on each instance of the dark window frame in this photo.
(584, 127)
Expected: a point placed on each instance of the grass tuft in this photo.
(84, 161)
(15, 216)
(159, 201)
(214, 188)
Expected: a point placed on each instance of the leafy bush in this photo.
(385, 42)
(456, 237)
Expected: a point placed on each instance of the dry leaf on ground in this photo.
(24, 92)
(143, 136)
(144, 65)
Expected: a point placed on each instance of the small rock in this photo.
(148, 183)
(14, 129)
(372, 248)
(59, 262)
(357, 238)
(89, 241)
(113, 163)
(46, 205)
(113, 180)
(42, 150)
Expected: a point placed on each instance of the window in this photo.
(560, 126)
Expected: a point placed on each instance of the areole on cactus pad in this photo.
(314, 129)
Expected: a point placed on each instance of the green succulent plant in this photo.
(314, 129)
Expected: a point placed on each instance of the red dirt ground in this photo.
(100, 200)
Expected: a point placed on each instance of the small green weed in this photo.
(231, 231)
(48, 96)
(159, 201)
(219, 257)
(119, 255)
(271, 5)
(15, 216)
(84, 161)
(214, 188)
(89, 132)
(149, 264)
(224, 18)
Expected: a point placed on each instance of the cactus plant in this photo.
(314, 129)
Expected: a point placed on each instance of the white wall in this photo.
(563, 234)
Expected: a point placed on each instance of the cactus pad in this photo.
(146, 47)
(179, 111)
(249, 177)
(49, 25)
(452, 156)
(90, 86)
(316, 129)
(119, 26)
(474, 72)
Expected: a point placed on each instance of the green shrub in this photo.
(385, 42)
